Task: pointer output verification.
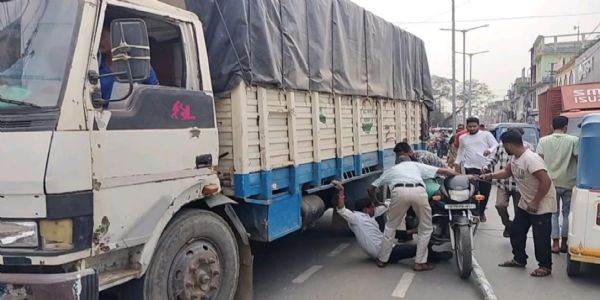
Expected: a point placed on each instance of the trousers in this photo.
(402, 199)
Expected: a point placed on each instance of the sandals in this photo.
(541, 272)
(556, 250)
(423, 267)
(380, 263)
(511, 264)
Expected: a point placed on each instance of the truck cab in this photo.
(101, 188)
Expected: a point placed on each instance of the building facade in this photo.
(548, 54)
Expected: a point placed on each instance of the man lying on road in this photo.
(405, 181)
(366, 229)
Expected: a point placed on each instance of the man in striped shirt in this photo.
(422, 156)
(506, 188)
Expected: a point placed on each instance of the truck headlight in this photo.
(57, 234)
(18, 234)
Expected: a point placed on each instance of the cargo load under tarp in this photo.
(332, 46)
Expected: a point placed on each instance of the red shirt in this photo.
(458, 135)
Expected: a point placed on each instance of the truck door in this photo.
(153, 145)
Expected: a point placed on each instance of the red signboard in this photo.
(581, 96)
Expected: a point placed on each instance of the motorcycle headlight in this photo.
(18, 234)
(460, 196)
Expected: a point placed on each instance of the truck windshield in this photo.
(35, 50)
(530, 135)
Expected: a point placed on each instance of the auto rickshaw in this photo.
(584, 219)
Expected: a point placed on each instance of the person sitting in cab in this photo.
(109, 83)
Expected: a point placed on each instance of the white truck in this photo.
(147, 168)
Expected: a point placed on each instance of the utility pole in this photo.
(471, 78)
(464, 32)
(454, 125)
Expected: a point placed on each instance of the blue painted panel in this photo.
(266, 180)
(389, 158)
(317, 177)
(281, 178)
(348, 163)
(267, 220)
(247, 184)
(369, 159)
(284, 216)
(328, 168)
(588, 172)
(305, 173)
(358, 165)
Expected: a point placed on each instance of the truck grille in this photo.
(27, 120)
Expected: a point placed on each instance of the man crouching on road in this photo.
(538, 202)
(366, 229)
(405, 181)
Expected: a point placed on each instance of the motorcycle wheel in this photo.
(463, 251)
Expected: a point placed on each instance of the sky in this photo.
(508, 41)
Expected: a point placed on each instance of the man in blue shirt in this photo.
(107, 83)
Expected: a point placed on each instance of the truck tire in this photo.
(573, 267)
(463, 251)
(196, 258)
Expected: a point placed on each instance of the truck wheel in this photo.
(463, 251)
(197, 258)
(573, 267)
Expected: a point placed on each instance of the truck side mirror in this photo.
(130, 50)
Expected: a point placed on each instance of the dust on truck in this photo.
(154, 191)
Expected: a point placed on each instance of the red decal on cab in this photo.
(181, 111)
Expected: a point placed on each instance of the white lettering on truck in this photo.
(586, 96)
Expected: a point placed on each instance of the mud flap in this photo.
(245, 279)
(245, 287)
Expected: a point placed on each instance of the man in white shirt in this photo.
(362, 222)
(472, 151)
(405, 181)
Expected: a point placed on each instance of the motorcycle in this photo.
(452, 199)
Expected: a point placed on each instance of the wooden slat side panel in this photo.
(347, 126)
(224, 123)
(417, 127)
(368, 126)
(389, 123)
(400, 121)
(252, 129)
(327, 134)
(304, 131)
(278, 131)
(410, 114)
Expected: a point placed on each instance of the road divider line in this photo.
(338, 249)
(306, 274)
(484, 285)
(403, 285)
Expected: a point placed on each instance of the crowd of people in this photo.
(539, 182)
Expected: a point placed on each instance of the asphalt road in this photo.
(327, 264)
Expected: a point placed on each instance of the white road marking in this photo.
(403, 285)
(484, 285)
(338, 249)
(306, 274)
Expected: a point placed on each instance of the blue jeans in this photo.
(562, 195)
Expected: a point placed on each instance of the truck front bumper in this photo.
(82, 285)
